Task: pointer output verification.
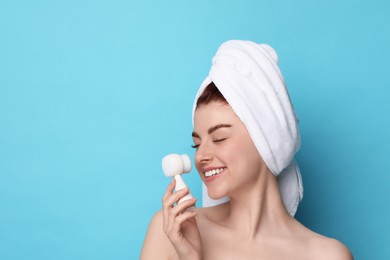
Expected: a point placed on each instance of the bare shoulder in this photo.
(329, 248)
(316, 246)
(156, 244)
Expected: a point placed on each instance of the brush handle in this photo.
(180, 184)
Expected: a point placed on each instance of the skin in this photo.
(252, 225)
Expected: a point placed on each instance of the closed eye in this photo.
(195, 146)
(219, 140)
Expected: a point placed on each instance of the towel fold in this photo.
(248, 76)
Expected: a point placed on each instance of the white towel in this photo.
(248, 76)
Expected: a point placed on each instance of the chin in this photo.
(217, 193)
(217, 200)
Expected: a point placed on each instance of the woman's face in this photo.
(226, 158)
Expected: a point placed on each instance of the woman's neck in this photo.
(258, 209)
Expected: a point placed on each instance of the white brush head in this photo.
(174, 164)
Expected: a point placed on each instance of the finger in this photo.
(168, 205)
(175, 229)
(170, 189)
(182, 206)
(175, 197)
(185, 216)
(165, 205)
(178, 210)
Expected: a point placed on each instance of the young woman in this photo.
(245, 135)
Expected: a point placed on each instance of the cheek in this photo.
(246, 157)
(244, 146)
(235, 155)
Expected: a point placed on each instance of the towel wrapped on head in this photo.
(248, 76)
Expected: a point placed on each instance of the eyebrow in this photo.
(212, 129)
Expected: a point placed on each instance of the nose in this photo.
(204, 155)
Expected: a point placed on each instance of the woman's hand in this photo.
(180, 225)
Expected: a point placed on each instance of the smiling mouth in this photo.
(213, 172)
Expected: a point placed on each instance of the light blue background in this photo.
(94, 93)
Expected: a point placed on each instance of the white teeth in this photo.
(213, 172)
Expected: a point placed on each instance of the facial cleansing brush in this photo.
(173, 166)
